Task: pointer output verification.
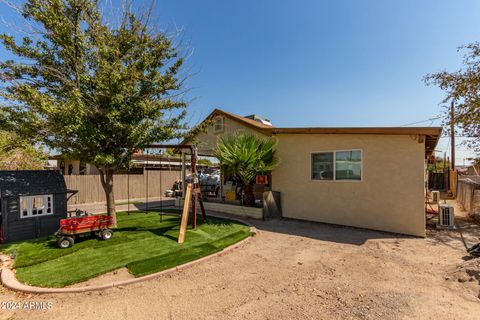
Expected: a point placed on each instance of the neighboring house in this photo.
(363, 177)
(140, 161)
(31, 204)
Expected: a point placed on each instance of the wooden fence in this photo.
(90, 188)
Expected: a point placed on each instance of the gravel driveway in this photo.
(297, 270)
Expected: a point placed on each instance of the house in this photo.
(31, 204)
(368, 177)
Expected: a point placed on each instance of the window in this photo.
(322, 166)
(348, 165)
(219, 124)
(36, 206)
(82, 167)
(337, 165)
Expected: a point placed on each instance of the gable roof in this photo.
(31, 182)
(256, 125)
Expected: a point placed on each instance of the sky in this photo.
(320, 63)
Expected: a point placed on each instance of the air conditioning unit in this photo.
(435, 196)
(446, 218)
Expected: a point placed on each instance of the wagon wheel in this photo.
(65, 242)
(107, 234)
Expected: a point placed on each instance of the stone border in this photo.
(9, 280)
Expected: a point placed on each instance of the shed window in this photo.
(33, 206)
(337, 165)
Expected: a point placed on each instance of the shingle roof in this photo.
(31, 182)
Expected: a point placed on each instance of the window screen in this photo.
(322, 166)
(219, 124)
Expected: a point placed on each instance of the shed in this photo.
(31, 204)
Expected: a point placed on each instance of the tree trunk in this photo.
(106, 178)
(248, 197)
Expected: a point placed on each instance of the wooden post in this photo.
(195, 184)
(452, 134)
(184, 174)
(184, 221)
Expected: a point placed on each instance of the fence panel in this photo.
(90, 189)
(468, 194)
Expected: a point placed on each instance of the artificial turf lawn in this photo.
(141, 243)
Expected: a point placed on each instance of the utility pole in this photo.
(452, 133)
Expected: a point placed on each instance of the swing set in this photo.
(191, 193)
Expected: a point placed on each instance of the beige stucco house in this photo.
(362, 177)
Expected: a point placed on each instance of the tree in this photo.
(92, 89)
(439, 165)
(463, 88)
(245, 156)
(19, 155)
(206, 162)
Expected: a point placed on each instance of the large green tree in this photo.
(90, 88)
(462, 87)
(17, 154)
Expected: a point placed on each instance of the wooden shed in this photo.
(31, 204)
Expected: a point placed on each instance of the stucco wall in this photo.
(207, 141)
(389, 198)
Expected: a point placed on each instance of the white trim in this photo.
(46, 199)
(334, 179)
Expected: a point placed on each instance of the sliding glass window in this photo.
(337, 165)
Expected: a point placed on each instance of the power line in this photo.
(427, 120)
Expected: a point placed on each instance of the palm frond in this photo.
(246, 155)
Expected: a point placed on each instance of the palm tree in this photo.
(245, 156)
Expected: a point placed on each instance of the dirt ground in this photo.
(297, 270)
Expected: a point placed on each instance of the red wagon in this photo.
(99, 225)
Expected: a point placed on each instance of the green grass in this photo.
(141, 243)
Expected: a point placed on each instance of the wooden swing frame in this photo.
(191, 192)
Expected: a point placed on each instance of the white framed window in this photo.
(34, 206)
(219, 124)
(341, 165)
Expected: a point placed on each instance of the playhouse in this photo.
(31, 204)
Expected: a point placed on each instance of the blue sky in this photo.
(323, 63)
(320, 63)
